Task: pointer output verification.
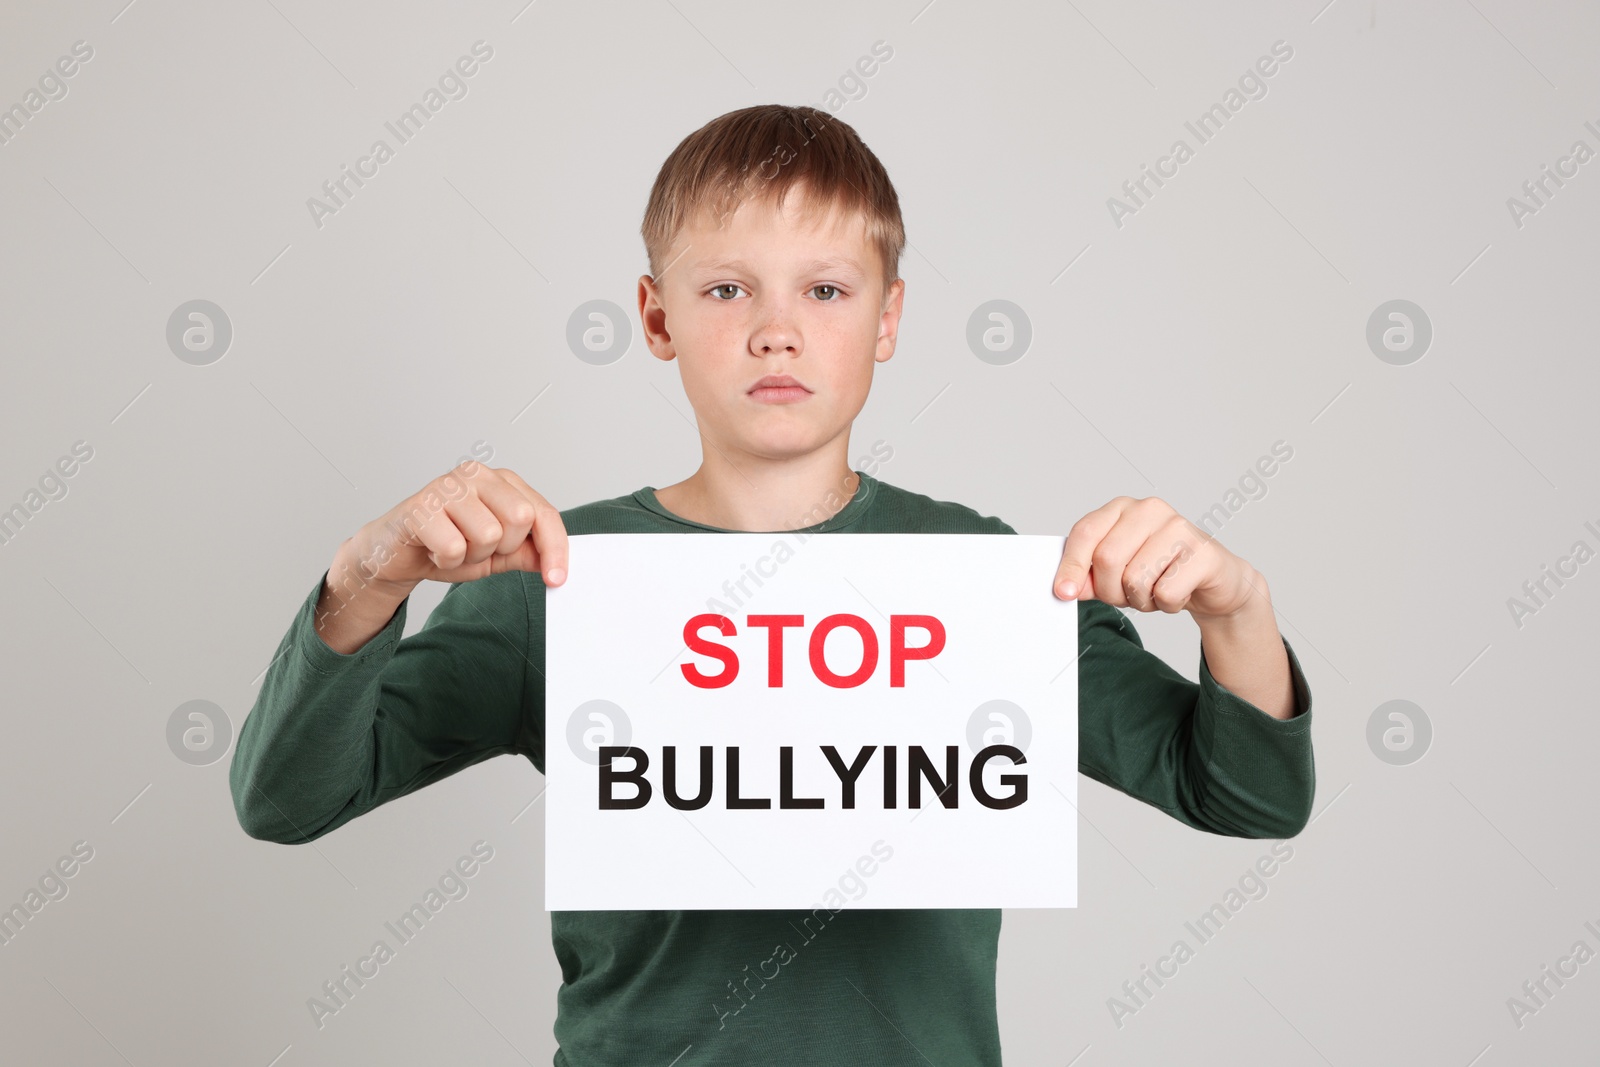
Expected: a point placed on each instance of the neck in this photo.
(755, 494)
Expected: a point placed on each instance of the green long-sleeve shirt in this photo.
(332, 736)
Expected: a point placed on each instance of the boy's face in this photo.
(771, 294)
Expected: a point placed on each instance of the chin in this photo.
(784, 445)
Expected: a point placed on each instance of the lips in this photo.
(777, 381)
(778, 389)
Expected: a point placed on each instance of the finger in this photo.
(549, 533)
(427, 521)
(437, 534)
(1158, 576)
(1175, 588)
(479, 529)
(1109, 562)
(422, 525)
(1073, 575)
(511, 508)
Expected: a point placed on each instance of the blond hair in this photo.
(762, 152)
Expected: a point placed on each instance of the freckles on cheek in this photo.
(725, 337)
(706, 331)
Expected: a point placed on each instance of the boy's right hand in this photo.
(464, 525)
(467, 524)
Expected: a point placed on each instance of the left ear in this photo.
(889, 320)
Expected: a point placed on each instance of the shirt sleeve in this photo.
(1197, 751)
(334, 735)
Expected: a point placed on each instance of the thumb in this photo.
(1078, 585)
(1074, 578)
(525, 557)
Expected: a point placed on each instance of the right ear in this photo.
(653, 319)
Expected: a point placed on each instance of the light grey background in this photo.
(1167, 355)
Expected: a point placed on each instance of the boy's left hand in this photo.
(1142, 553)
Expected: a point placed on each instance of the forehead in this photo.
(759, 233)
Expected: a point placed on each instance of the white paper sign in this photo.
(830, 685)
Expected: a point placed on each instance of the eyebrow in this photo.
(817, 266)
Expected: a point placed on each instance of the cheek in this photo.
(692, 330)
(708, 349)
(859, 352)
(857, 375)
(851, 344)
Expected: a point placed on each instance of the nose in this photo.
(775, 331)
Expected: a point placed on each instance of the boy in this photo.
(774, 238)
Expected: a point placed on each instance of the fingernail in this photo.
(555, 576)
(1069, 590)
